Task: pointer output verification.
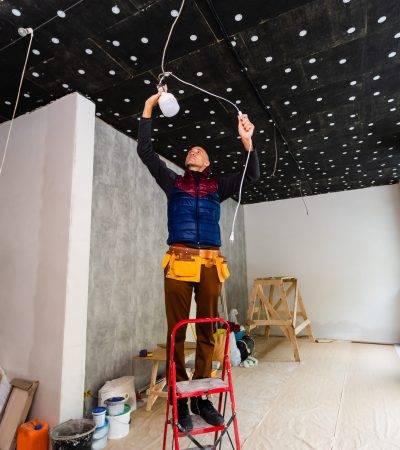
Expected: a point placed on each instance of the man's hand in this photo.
(149, 105)
(246, 130)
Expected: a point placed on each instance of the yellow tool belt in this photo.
(184, 263)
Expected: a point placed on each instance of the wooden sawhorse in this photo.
(266, 311)
(156, 388)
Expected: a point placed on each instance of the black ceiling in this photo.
(326, 70)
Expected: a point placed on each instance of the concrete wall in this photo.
(45, 202)
(345, 254)
(126, 300)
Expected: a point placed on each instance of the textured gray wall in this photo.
(129, 230)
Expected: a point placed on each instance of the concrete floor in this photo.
(342, 396)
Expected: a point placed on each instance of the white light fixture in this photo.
(167, 102)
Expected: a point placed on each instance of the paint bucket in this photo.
(115, 405)
(72, 435)
(99, 416)
(100, 436)
(119, 425)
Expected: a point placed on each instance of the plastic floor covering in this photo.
(342, 396)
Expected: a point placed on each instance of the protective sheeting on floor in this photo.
(341, 396)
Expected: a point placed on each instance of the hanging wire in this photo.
(205, 91)
(276, 154)
(16, 102)
(232, 235)
(170, 34)
(302, 197)
(43, 24)
(29, 31)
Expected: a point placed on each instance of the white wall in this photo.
(45, 202)
(346, 254)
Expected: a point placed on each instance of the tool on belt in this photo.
(184, 263)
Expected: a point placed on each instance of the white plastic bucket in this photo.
(119, 425)
(100, 437)
(115, 405)
(99, 416)
(99, 444)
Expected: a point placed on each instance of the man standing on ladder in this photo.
(193, 261)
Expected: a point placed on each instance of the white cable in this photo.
(16, 101)
(42, 24)
(169, 36)
(204, 90)
(232, 235)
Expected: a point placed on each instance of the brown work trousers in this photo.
(178, 296)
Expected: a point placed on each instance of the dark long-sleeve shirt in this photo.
(228, 185)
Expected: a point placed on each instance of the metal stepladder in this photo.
(194, 388)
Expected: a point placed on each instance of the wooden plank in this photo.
(309, 331)
(296, 299)
(275, 315)
(271, 322)
(295, 345)
(16, 411)
(301, 326)
(284, 300)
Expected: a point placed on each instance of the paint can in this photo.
(115, 405)
(100, 436)
(73, 434)
(99, 416)
(119, 425)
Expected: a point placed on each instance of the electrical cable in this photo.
(43, 24)
(302, 197)
(276, 154)
(29, 31)
(205, 91)
(170, 34)
(24, 32)
(244, 71)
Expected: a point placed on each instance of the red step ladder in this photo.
(194, 388)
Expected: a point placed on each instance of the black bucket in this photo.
(73, 435)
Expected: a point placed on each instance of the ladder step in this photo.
(200, 426)
(207, 447)
(203, 386)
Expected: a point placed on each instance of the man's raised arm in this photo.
(229, 185)
(164, 176)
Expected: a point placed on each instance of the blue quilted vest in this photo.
(194, 211)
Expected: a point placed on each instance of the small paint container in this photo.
(99, 416)
(119, 425)
(115, 405)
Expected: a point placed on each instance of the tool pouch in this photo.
(187, 269)
(222, 268)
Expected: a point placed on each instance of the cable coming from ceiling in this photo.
(243, 69)
(43, 24)
(30, 32)
(23, 32)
